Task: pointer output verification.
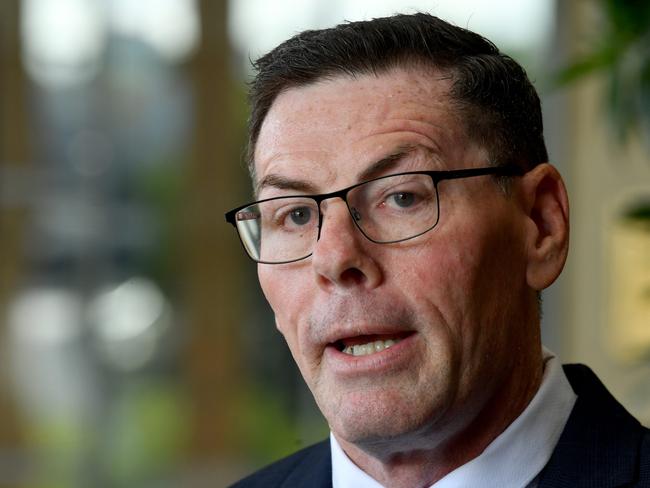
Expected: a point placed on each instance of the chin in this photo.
(371, 420)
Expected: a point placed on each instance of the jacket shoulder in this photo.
(602, 445)
(644, 476)
(309, 467)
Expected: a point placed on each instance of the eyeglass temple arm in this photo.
(508, 170)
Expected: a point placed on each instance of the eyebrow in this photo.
(385, 163)
(374, 170)
(283, 183)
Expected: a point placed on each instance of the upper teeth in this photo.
(370, 347)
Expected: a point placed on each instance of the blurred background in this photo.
(136, 349)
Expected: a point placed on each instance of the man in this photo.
(406, 223)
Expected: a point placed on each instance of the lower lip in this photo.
(391, 358)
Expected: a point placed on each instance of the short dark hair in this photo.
(499, 106)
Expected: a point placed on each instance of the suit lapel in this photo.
(600, 442)
(314, 470)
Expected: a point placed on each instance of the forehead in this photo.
(321, 128)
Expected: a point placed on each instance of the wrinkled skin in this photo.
(462, 296)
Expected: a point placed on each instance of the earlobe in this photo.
(547, 208)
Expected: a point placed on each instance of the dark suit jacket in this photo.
(602, 446)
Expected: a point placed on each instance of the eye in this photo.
(403, 199)
(300, 215)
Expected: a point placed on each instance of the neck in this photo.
(429, 456)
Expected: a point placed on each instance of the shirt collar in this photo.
(514, 458)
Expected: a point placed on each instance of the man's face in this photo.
(451, 299)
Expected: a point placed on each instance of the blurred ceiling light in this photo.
(520, 24)
(46, 316)
(47, 368)
(63, 40)
(171, 27)
(256, 26)
(129, 320)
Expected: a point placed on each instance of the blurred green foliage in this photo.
(57, 444)
(640, 212)
(143, 439)
(620, 48)
(267, 428)
(162, 187)
(148, 434)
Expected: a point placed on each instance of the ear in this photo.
(547, 227)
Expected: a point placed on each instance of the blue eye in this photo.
(403, 199)
(301, 215)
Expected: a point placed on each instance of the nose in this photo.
(340, 258)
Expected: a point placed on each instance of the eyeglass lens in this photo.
(388, 209)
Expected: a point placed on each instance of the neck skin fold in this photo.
(428, 456)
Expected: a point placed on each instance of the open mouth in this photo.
(369, 344)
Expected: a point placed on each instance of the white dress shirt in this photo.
(513, 460)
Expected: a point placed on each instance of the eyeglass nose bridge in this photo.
(343, 195)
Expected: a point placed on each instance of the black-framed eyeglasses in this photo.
(386, 210)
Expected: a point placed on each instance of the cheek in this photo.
(431, 282)
(436, 273)
(286, 293)
(278, 286)
(447, 284)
